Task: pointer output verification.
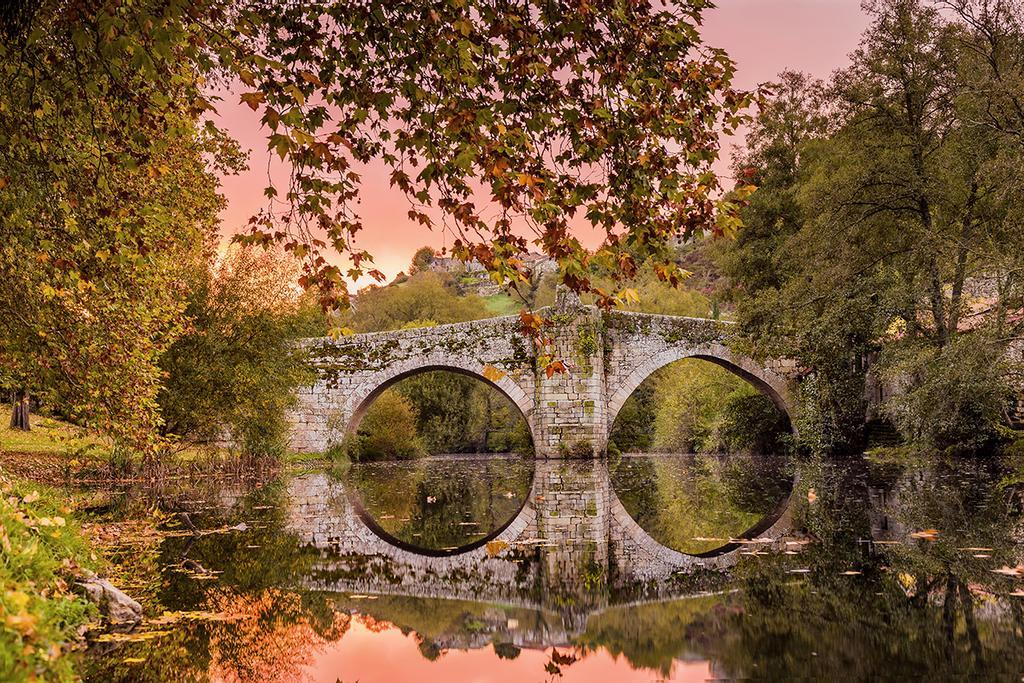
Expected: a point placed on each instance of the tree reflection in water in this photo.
(858, 594)
(696, 503)
(442, 503)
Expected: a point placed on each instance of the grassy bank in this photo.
(43, 553)
(59, 453)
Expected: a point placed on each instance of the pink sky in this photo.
(762, 36)
(392, 656)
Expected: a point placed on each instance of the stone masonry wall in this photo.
(638, 344)
(570, 406)
(606, 356)
(355, 369)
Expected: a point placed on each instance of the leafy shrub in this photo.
(388, 431)
(752, 423)
(953, 397)
(41, 552)
(234, 372)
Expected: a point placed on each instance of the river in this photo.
(641, 568)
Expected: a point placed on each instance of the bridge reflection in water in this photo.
(894, 570)
(572, 549)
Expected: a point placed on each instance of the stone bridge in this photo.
(572, 548)
(608, 355)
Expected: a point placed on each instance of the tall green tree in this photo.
(233, 372)
(893, 227)
(106, 196)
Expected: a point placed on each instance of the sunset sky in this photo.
(762, 36)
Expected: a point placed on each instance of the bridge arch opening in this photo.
(362, 399)
(442, 459)
(705, 446)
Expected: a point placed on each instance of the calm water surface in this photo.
(399, 572)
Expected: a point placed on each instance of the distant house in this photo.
(471, 277)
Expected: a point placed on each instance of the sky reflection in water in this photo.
(859, 592)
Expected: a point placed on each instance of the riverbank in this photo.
(45, 553)
(58, 453)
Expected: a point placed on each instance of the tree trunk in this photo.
(19, 415)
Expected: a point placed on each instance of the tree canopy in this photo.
(887, 219)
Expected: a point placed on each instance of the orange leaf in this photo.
(253, 99)
(555, 366)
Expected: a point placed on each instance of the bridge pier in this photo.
(569, 417)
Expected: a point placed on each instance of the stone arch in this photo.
(361, 397)
(772, 384)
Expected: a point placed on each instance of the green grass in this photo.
(42, 554)
(48, 436)
(74, 452)
(502, 304)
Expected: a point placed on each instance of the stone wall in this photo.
(638, 344)
(570, 406)
(354, 370)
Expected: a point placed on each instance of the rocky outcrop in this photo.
(113, 603)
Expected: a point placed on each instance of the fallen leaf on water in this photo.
(131, 637)
(927, 534)
(495, 547)
(811, 496)
(194, 615)
(1010, 571)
